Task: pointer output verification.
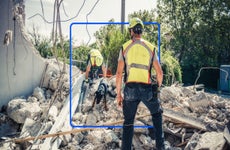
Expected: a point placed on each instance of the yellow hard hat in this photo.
(96, 57)
(134, 21)
(99, 60)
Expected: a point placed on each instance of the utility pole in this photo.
(122, 15)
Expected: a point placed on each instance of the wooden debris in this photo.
(195, 123)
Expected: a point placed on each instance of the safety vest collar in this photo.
(137, 41)
(133, 68)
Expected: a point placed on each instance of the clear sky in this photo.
(103, 12)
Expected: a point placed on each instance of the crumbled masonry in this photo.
(192, 119)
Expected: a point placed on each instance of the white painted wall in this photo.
(21, 66)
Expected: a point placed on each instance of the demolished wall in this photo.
(20, 64)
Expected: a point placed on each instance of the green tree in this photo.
(110, 39)
(171, 68)
(80, 56)
(200, 33)
(41, 43)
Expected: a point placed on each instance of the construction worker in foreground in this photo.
(136, 58)
(95, 65)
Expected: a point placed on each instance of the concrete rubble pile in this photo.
(36, 114)
(192, 119)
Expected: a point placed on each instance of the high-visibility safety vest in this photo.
(96, 58)
(138, 57)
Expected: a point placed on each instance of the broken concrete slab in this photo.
(32, 99)
(170, 93)
(53, 113)
(110, 136)
(211, 141)
(20, 109)
(30, 128)
(39, 94)
(96, 137)
(91, 119)
(193, 122)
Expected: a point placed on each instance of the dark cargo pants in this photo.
(133, 95)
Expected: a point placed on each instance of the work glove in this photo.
(85, 83)
(86, 80)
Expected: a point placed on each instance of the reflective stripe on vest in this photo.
(138, 56)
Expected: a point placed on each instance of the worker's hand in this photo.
(119, 100)
(159, 85)
(86, 80)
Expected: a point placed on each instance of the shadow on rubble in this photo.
(8, 127)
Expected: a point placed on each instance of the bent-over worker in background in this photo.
(95, 65)
(136, 58)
